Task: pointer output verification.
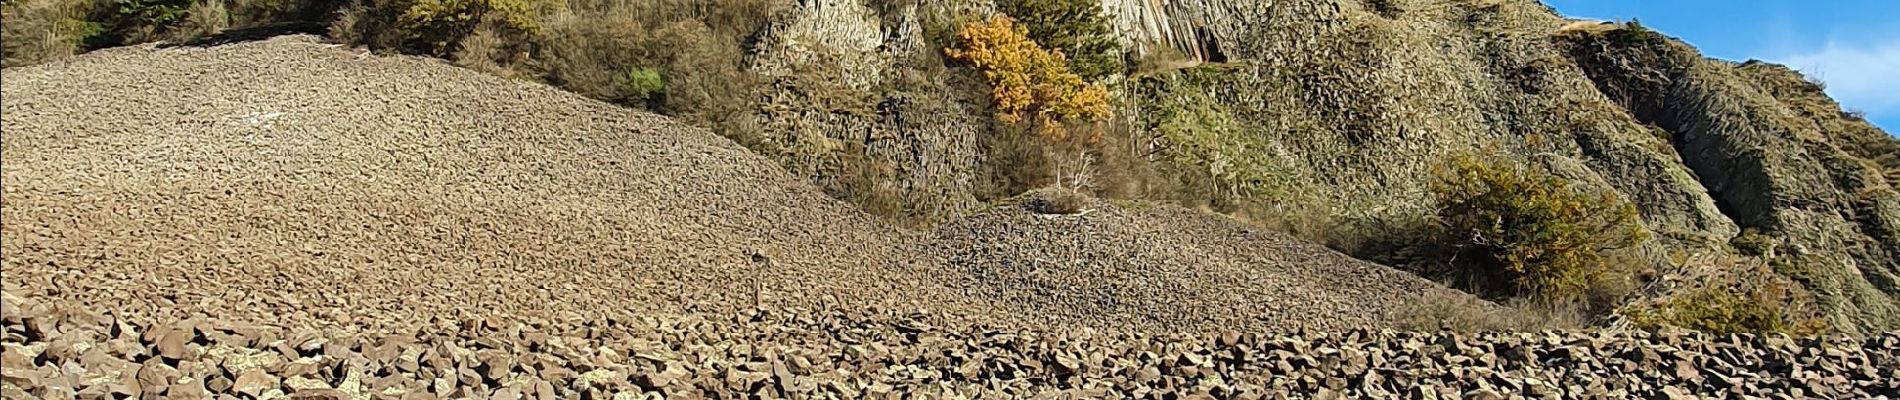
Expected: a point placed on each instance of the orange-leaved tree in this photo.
(1026, 80)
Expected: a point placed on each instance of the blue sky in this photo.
(1853, 45)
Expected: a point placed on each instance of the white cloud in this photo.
(1863, 77)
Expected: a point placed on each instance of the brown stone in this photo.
(319, 394)
(155, 376)
(1483, 394)
(193, 388)
(220, 384)
(1687, 372)
(255, 382)
(1230, 339)
(175, 344)
(1327, 394)
(507, 393)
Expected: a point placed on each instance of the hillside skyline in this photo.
(1851, 45)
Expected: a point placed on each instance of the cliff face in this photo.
(1365, 100)
(856, 98)
(1772, 159)
(1341, 108)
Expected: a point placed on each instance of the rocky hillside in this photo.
(1328, 119)
(1165, 267)
(189, 220)
(492, 216)
(301, 184)
(1338, 111)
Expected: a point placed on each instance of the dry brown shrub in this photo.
(1058, 200)
(204, 18)
(869, 185)
(580, 49)
(1124, 172)
(1444, 310)
(253, 13)
(343, 28)
(1587, 26)
(1162, 58)
(1306, 221)
(1016, 161)
(1731, 294)
(481, 50)
(697, 46)
(370, 23)
(40, 30)
(1124, 166)
(707, 75)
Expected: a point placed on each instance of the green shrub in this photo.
(1634, 34)
(121, 22)
(1721, 311)
(643, 84)
(1077, 28)
(152, 13)
(1195, 130)
(1531, 231)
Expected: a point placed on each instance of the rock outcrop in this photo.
(1770, 161)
